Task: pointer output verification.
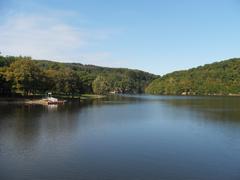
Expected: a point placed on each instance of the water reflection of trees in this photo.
(27, 122)
(23, 125)
(222, 109)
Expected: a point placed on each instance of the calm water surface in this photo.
(125, 138)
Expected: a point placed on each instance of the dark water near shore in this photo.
(125, 138)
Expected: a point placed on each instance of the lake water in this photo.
(122, 138)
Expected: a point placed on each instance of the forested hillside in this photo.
(220, 78)
(24, 76)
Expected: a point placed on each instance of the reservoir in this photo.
(122, 138)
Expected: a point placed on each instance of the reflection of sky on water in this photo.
(30, 121)
(122, 137)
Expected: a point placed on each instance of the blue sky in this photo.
(152, 35)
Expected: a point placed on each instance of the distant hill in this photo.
(26, 76)
(219, 78)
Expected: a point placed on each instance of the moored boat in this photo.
(56, 101)
(51, 100)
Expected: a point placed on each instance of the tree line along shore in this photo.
(24, 77)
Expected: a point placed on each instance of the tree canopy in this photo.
(220, 78)
(22, 75)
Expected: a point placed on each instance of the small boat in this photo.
(51, 100)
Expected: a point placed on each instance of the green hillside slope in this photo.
(23, 75)
(220, 78)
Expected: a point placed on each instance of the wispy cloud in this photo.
(101, 58)
(50, 36)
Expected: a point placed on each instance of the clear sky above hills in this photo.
(152, 35)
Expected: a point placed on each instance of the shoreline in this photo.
(85, 97)
(40, 101)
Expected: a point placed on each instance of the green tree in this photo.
(101, 85)
(5, 86)
(25, 75)
(72, 83)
